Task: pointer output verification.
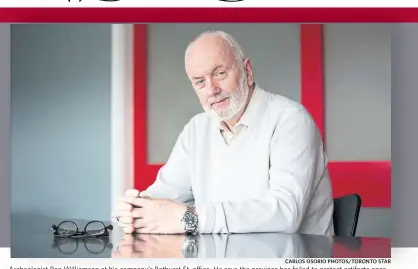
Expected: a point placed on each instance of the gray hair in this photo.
(233, 43)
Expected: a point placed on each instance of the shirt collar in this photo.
(250, 113)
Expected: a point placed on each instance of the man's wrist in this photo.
(190, 219)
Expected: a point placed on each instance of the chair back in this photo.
(346, 214)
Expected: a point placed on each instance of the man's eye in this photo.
(221, 74)
(198, 82)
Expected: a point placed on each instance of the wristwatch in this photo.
(190, 247)
(190, 220)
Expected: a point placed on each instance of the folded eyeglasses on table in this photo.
(69, 229)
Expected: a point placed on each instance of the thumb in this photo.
(144, 194)
(132, 193)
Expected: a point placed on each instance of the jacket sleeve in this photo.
(173, 179)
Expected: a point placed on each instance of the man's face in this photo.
(219, 81)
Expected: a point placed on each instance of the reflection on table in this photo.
(263, 245)
(32, 238)
(70, 246)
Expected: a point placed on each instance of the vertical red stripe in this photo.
(140, 67)
(312, 72)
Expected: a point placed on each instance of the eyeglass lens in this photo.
(95, 228)
(67, 228)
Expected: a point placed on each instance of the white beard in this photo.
(237, 101)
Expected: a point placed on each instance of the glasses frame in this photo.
(84, 233)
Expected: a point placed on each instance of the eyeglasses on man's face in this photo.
(69, 229)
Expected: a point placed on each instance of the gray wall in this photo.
(4, 134)
(404, 135)
(357, 60)
(61, 120)
(357, 88)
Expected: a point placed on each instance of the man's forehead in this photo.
(205, 57)
(205, 66)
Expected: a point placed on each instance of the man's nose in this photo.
(212, 88)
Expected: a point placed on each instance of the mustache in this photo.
(218, 98)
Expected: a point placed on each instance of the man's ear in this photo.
(248, 69)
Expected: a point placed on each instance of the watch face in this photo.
(190, 220)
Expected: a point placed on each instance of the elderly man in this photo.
(252, 162)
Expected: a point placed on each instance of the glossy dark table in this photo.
(32, 237)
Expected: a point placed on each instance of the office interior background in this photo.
(74, 106)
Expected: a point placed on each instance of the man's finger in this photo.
(132, 193)
(138, 213)
(143, 230)
(144, 194)
(139, 223)
(123, 213)
(137, 202)
(140, 231)
(124, 225)
(128, 230)
(124, 206)
(126, 220)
